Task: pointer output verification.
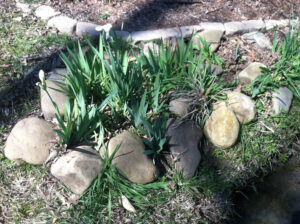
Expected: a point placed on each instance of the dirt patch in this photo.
(153, 14)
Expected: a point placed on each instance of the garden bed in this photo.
(136, 88)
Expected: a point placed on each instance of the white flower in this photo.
(42, 76)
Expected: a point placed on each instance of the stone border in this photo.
(70, 26)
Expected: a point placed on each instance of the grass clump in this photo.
(112, 87)
(286, 71)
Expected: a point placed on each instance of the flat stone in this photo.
(148, 35)
(45, 12)
(250, 73)
(87, 29)
(78, 168)
(57, 74)
(242, 106)
(222, 126)
(234, 28)
(58, 97)
(64, 24)
(212, 37)
(130, 158)
(187, 31)
(259, 38)
(184, 139)
(270, 24)
(179, 107)
(23, 7)
(121, 34)
(212, 26)
(282, 99)
(243, 27)
(30, 141)
(254, 25)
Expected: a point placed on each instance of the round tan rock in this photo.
(242, 106)
(212, 37)
(30, 141)
(58, 97)
(222, 127)
(130, 158)
(78, 168)
(250, 73)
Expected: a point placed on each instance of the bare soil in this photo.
(152, 14)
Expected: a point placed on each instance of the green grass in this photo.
(286, 71)
(23, 43)
(130, 90)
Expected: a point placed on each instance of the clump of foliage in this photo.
(286, 71)
(111, 85)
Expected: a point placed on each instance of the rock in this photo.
(57, 74)
(45, 12)
(250, 73)
(120, 34)
(78, 168)
(130, 158)
(212, 26)
(244, 26)
(242, 106)
(259, 38)
(282, 99)
(179, 107)
(150, 46)
(23, 7)
(234, 28)
(212, 37)
(184, 139)
(58, 97)
(187, 31)
(270, 24)
(64, 24)
(254, 25)
(149, 35)
(30, 141)
(222, 126)
(214, 69)
(87, 29)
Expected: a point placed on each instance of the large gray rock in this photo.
(250, 73)
(57, 74)
(64, 24)
(23, 7)
(259, 38)
(78, 168)
(282, 99)
(58, 97)
(149, 35)
(212, 37)
(242, 106)
(187, 31)
(130, 158)
(30, 140)
(270, 24)
(212, 26)
(179, 107)
(184, 139)
(87, 29)
(222, 127)
(234, 27)
(244, 26)
(45, 12)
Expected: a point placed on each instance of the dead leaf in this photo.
(253, 55)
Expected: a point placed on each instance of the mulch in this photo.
(153, 14)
